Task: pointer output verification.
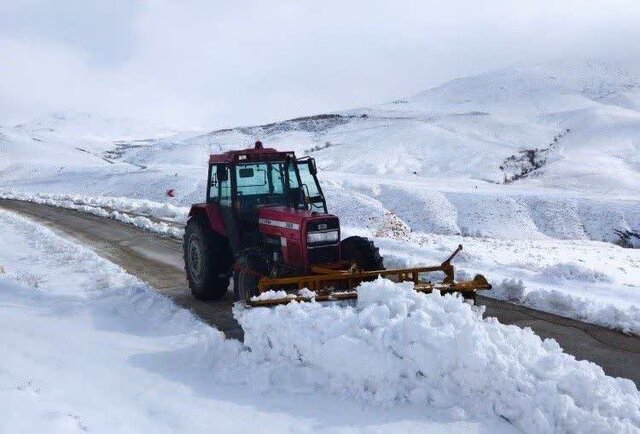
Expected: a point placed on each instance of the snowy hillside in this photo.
(526, 152)
(535, 153)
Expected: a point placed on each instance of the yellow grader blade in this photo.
(324, 281)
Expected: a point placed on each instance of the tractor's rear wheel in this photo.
(207, 260)
(363, 252)
(250, 266)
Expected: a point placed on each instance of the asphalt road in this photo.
(157, 260)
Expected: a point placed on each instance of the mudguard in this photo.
(211, 212)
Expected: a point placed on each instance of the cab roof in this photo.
(250, 155)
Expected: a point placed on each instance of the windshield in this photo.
(254, 179)
(278, 183)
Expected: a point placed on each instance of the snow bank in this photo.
(160, 218)
(583, 309)
(578, 296)
(397, 345)
(565, 271)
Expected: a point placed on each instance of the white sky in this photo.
(213, 64)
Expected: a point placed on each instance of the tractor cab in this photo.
(254, 177)
(241, 183)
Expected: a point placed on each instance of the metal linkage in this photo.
(346, 277)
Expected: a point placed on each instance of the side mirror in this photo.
(221, 173)
(312, 167)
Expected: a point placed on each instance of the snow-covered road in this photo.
(91, 348)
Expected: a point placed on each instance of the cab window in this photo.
(220, 185)
(311, 189)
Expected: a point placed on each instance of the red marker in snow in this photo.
(170, 192)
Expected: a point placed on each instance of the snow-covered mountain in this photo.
(534, 151)
(582, 119)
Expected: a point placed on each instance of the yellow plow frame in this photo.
(325, 279)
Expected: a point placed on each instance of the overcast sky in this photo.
(213, 64)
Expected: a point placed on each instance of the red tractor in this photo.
(265, 222)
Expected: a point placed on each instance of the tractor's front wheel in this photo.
(206, 261)
(250, 266)
(363, 252)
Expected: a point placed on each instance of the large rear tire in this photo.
(363, 252)
(250, 266)
(207, 260)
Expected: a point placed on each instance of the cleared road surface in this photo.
(157, 260)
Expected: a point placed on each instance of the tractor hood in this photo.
(306, 238)
(293, 223)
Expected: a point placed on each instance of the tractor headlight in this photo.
(323, 237)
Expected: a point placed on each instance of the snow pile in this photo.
(399, 345)
(276, 295)
(509, 289)
(272, 295)
(307, 293)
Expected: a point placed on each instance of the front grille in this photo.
(323, 254)
(323, 225)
